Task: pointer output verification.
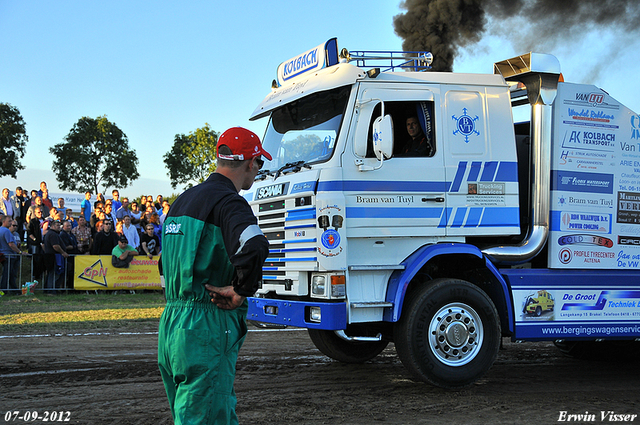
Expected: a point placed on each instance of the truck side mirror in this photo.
(383, 137)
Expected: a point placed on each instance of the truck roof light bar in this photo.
(392, 60)
(326, 55)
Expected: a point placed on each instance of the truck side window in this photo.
(418, 140)
(420, 115)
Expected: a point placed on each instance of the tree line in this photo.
(96, 153)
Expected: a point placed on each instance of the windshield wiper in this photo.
(291, 166)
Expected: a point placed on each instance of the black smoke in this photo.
(443, 27)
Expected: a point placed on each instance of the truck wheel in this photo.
(449, 333)
(538, 311)
(331, 345)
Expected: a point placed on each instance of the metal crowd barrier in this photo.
(31, 268)
(28, 268)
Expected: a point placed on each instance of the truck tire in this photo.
(448, 334)
(331, 345)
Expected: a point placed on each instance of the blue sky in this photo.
(157, 69)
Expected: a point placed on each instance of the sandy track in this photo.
(282, 379)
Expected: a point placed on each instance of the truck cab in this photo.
(400, 199)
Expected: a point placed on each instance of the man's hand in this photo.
(225, 297)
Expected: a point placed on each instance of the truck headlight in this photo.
(318, 286)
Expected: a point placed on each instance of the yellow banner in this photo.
(96, 272)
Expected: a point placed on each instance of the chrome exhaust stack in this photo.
(540, 74)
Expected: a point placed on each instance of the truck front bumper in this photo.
(329, 316)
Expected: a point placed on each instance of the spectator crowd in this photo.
(53, 235)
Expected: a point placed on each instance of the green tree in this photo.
(192, 157)
(95, 152)
(13, 140)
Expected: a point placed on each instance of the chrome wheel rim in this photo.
(455, 334)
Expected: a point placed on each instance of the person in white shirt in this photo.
(7, 206)
(130, 231)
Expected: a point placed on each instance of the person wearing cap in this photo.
(54, 255)
(212, 256)
(123, 253)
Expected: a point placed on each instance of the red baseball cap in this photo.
(244, 144)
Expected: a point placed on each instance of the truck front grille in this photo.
(290, 227)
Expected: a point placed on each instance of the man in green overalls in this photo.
(212, 256)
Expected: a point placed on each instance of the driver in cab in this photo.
(418, 145)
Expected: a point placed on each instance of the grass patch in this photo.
(81, 316)
(70, 313)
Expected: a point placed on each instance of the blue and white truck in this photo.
(439, 254)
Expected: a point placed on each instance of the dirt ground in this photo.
(282, 379)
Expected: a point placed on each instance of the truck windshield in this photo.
(306, 129)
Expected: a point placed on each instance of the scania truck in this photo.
(531, 185)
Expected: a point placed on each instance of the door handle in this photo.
(436, 199)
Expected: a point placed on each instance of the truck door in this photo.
(406, 195)
(480, 160)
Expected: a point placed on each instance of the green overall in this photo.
(198, 343)
(198, 365)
